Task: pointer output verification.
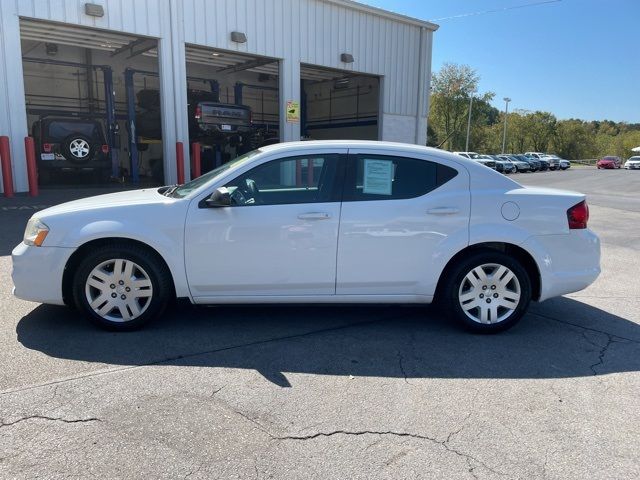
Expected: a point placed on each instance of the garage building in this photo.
(108, 88)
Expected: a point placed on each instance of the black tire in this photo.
(150, 265)
(72, 152)
(448, 294)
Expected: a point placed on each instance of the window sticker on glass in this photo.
(378, 176)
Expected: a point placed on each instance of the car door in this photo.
(279, 237)
(399, 214)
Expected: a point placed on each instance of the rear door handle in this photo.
(314, 216)
(443, 211)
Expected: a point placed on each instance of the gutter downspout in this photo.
(422, 85)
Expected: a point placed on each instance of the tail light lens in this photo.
(250, 118)
(578, 215)
(46, 147)
(105, 149)
(198, 113)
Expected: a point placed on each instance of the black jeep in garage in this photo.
(70, 146)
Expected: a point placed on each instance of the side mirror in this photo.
(219, 198)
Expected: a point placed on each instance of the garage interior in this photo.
(81, 90)
(338, 104)
(93, 105)
(233, 103)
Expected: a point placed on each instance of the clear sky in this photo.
(574, 58)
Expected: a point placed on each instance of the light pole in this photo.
(506, 112)
(466, 148)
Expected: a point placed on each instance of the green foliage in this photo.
(537, 131)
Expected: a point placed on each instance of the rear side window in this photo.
(381, 177)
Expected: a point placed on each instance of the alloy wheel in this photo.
(118, 290)
(79, 148)
(489, 293)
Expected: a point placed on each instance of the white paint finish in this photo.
(261, 250)
(246, 252)
(397, 247)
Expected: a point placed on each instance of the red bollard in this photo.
(195, 160)
(32, 171)
(5, 160)
(180, 162)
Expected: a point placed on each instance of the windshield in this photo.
(475, 156)
(184, 190)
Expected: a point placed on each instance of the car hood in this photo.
(131, 197)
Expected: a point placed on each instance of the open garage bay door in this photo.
(233, 103)
(82, 97)
(338, 104)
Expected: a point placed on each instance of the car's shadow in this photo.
(411, 342)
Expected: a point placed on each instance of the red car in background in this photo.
(609, 162)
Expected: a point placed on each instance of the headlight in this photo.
(35, 233)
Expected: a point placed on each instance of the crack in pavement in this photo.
(585, 328)
(603, 352)
(443, 443)
(53, 419)
(404, 373)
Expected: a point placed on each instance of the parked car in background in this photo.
(545, 164)
(70, 146)
(375, 222)
(552, 160)
(609, 162)
(503, 165)
(564, 164)
(521, 166)
(487, 162)
(632, 163)
(532, 161)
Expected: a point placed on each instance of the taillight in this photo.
(250, 118)
(46, 147)
(578, 215)
(198, 113)
(105, 149)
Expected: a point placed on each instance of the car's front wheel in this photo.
(487, 292)
(121, 287)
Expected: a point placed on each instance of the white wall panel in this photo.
(140, 17)
(321, 30)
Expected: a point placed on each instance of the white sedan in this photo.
(633, 163)
(315, 222)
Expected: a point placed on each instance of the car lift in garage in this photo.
(133, 139)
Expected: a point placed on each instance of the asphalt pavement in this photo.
(333, 392)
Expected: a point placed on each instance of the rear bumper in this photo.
(37, 273)
(568, 263)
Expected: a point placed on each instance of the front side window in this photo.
(291, 180)
(380, 177)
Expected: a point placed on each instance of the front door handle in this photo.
(314, 216)
(443, 211)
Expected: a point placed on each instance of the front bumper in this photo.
(37, 273)
(567, 262)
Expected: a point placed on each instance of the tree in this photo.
(452, 87)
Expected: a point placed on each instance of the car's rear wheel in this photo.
(121, 287)
(487, 292)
